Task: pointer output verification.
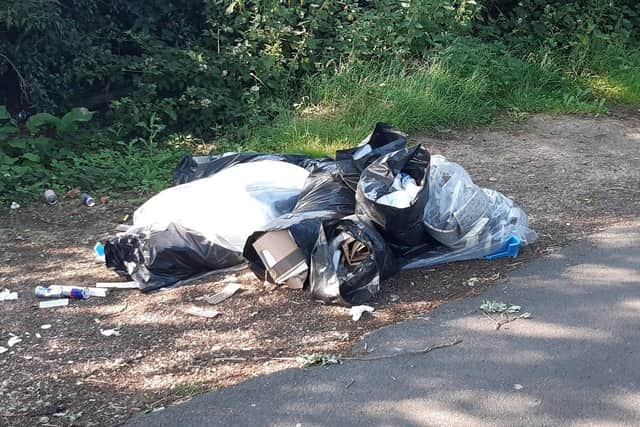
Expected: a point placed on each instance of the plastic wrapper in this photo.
(469, 221)
(393, 192)
(192, 168)
(343, 276)
(205, 219)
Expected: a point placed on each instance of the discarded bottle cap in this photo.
(50, 197)
(87, 200)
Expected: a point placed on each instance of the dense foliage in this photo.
(202, 67)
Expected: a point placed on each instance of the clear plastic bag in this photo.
(469, 221)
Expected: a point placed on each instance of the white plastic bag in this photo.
(228, 206)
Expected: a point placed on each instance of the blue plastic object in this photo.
(511, 248)
(99, 249)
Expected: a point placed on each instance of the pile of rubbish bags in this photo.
(338, 227)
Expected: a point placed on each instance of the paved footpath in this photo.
(575, 362)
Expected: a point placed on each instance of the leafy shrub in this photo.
(26, 154)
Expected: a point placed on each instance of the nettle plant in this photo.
(27, 151)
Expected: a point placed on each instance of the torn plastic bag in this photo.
(192, 168)
(382, 140)
(328, 193)
(218, 213)
(469, 221)
(154, 259)
(393, 192)
(349, 261)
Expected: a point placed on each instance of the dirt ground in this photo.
(572, 174)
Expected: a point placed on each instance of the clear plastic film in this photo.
(469, 221)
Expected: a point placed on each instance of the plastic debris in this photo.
(15, 205)
(224, 294)
(117, 285)
(7, 295)
(518, 386)
(202, 312)
(98, 250)
(110, 332)
(354, 221)
(357, 311)
(97, 292)
(45, 326)
(13, 341)
(3, 349)
(54, 303)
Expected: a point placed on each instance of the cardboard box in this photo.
(280, 255)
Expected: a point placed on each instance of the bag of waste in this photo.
(349, 261)
(382, 140)
(192, 168)
(158, 258)
(393, 192)
(328, 193)
(213, 215)
(469, 221)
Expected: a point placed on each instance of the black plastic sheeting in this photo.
(162, 258)
(327, 194)
(401, 226)
(332, 280)
(192, 168)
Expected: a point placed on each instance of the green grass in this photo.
(616, 76)
(463, 86)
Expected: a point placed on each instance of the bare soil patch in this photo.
(572, 174)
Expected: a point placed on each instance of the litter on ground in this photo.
(7, 295)
(357, 311)
(54, 303)
(338, 227)
(202, 312)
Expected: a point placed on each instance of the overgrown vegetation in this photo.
(165, 77)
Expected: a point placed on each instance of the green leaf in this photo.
(18, 143)
(79, 114)
(31, 157)
(7, 130)
(4, 113)
(36, 121)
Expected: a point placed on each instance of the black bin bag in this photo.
(329, 192)
(192, 168)
(156, 259)
(393, 191)
(335, 279)
(382, 140)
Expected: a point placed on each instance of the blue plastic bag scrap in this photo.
(345, 225)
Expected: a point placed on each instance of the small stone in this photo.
(394, 297)
(493, 179)
(43, 420)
